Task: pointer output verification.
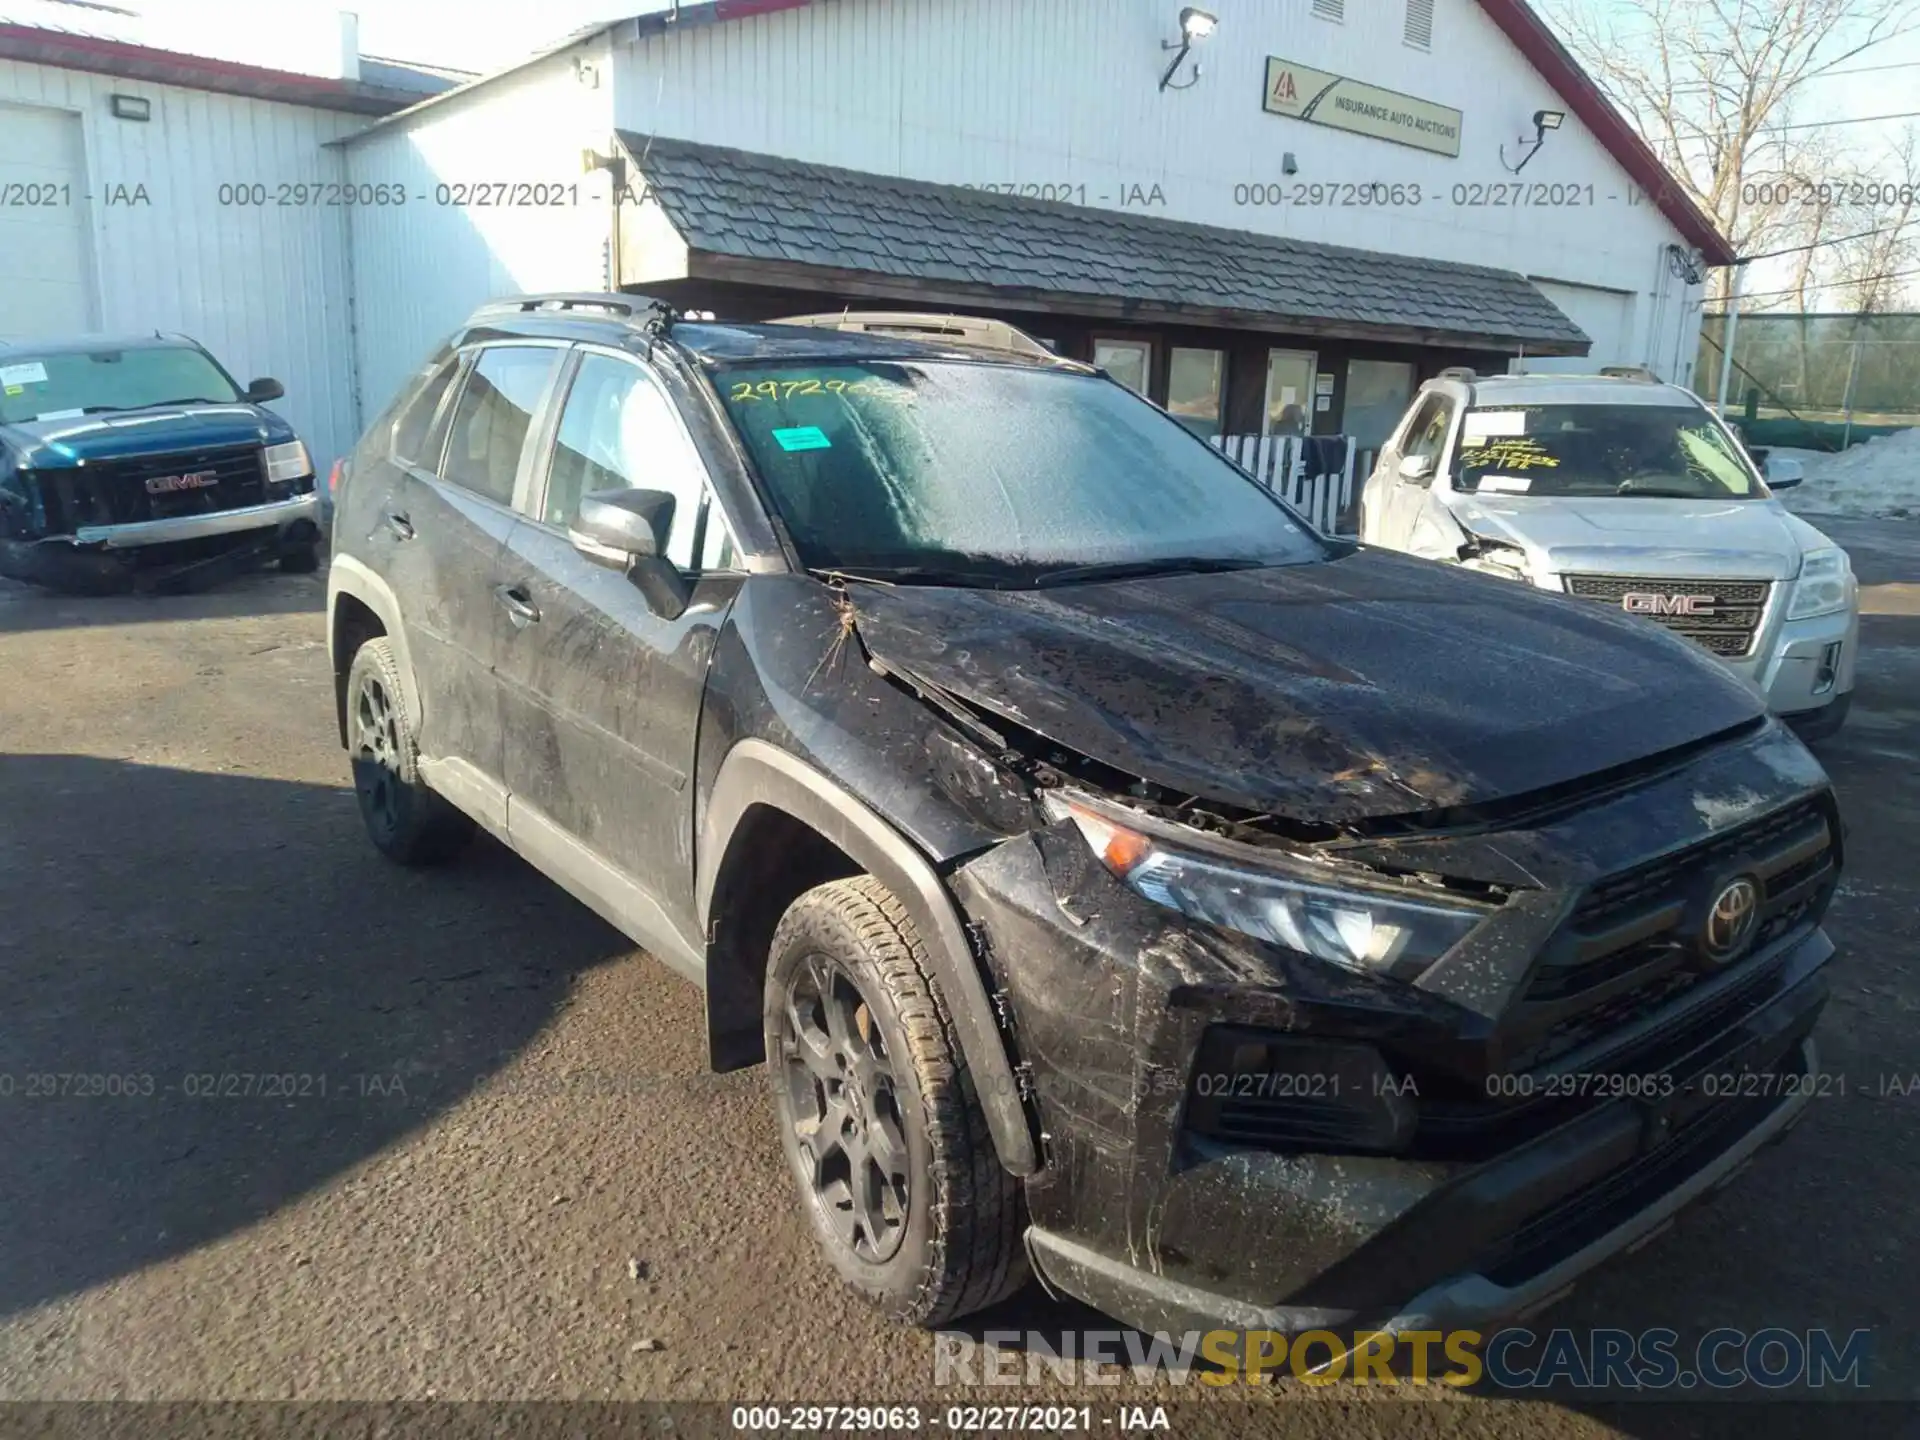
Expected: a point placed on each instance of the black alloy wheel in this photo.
(845, 1108)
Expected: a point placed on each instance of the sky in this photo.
(474, 34)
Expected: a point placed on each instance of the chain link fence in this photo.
(1819, 382)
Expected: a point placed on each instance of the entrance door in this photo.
(1289, 392)
(44, 272)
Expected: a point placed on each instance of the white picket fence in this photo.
(1330, 500)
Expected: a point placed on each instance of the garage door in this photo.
(1606, 316)
(45, 282)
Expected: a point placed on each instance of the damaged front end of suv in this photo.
(1334, 1006)
(1371, 945)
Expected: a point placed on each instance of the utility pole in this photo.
(1732, 323)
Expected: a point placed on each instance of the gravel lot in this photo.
(497, 1170)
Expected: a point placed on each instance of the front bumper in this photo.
(1796, 666)
(1515, 1234)
(105, 559)
(274, 515)
(1159, 1207)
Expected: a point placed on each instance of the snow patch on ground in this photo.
(1881, 477)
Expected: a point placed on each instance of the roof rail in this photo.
(618, 304)
(975, 330)
(1629, 372)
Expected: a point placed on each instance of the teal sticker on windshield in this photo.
(803, 437)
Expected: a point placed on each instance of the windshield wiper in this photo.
(914, 575)
(1129, 569)
(148, 405)
(1659, 492)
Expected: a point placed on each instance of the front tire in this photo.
(878, 1115)
(406, 821)
(300, 559)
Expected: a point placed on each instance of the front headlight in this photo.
(1825, 578)
(1362, 930)
(288, 462)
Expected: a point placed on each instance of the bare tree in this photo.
(1710, 83)
(1869, 269)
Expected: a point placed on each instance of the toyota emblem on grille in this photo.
(1645, 602)
(192, 480)
(1731, 920)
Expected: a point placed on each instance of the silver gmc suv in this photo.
(1631, 492)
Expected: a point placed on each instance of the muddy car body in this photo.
(1246, 928)
(140, 459)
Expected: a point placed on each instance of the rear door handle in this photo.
(519, 605)
(400, 525)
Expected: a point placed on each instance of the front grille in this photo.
(114, 492)
(1631, 944)
(1730, 609)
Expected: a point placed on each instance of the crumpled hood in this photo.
(51, 444)
(1371, 685)
(1604, 535)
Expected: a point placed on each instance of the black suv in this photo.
(1243, 927)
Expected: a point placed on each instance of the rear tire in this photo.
(406, 821)
(878, 1116)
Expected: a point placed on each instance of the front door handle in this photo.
(519, 605)
(400, 525)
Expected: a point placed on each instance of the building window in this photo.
(1334, 10)
(1419, 31)
(1128, 361)
(1196, 383)
(1378, 392)
(1289, 392)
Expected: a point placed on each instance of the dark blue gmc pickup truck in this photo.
(123, 461)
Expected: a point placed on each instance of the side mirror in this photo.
(264, 389)
(1783, 472)
(1417, 469)
(626, 530)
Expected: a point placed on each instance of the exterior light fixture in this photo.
(1195, 25)
(130, 107)
(1543, 121)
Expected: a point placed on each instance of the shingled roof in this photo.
(785, 213)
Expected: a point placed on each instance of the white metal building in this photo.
(1343, 197)
(1351, 194)
(143, 188)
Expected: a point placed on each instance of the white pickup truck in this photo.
(1629, 492)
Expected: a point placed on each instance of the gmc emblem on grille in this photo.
(192, 480)
(1643, 602)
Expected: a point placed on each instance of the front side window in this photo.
(1427, 434)
(96, 382)
(995, 473)
(619, 431)
(494, 415)
(1670, 451)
